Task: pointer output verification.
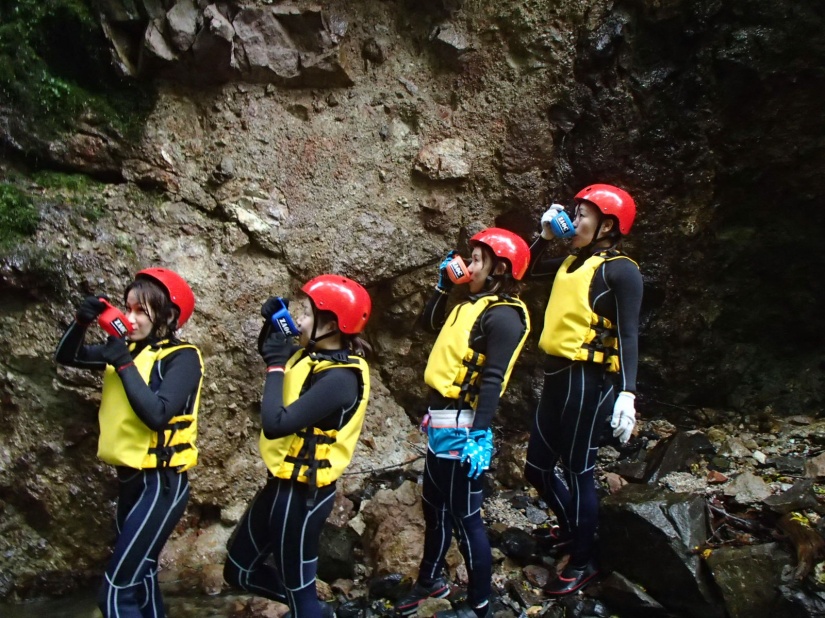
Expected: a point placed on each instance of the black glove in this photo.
(276, 350)
(89, 309)
(272, 304)
(444, 284)
(115, 352)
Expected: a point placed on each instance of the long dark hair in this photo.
(155, 301)
(504, 284)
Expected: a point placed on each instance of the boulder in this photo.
(648, 536)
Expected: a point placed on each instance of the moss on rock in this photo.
(18, 215)
(55, 70)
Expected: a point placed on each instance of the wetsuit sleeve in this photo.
(540, 264)
(333, 391)
(181, 374)
(625, 280)
(435, 312)
(72, 353)
(503, 329)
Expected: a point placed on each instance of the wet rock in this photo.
(614, 482)
(257, 607)
(748, 578)
(800, 497)
(534, 515)
(800, 602)
(760, 457)
(351, 609)
(390, 586)
(538, 576)
(790, 464)
(747, 488)
(628, 598)
(815, 467)
(719, 463)
(518, 544)
(735, 447)
(576, 606)
(649, 537)
(677, 453)
(522, 593)
(716, 477)
(432, 606)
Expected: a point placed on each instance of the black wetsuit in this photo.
(150, 501)
(577, 400)
(451, 500)
(286, 516)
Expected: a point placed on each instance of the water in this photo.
(83, 605)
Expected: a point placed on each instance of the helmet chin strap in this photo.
(313, 340)
(491, 279)
(595, 238)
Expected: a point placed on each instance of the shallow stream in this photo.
(83, 605)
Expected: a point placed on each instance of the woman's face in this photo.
(305, 321)
(586, 220)
(479, 270)
(139, 317)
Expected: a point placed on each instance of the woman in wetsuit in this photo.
(467, 372)
(148, 424)
(312, 410)
(590, 335)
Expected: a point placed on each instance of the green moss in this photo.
(18, 215)
(79, 190)
(55, 68)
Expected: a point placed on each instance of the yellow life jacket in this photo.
(315, 456)
(125, 440)
(571, 328)
(454, 368)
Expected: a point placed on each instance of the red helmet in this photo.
(505, 244)
(348, 300)
(611, 201)
(179, 291)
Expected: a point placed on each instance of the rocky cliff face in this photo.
(282, 140)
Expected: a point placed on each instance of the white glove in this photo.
(550, 214)
(624, 416)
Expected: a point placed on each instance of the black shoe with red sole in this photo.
(571, 579)
(408, 604)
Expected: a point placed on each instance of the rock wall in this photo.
(368, 138)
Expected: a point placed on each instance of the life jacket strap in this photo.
(164, 454)
(467, 390)
(306, 457)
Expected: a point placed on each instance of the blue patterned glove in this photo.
(444, 284)
(478, 450)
